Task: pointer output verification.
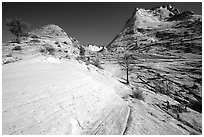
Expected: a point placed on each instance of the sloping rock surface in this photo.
(45, 95)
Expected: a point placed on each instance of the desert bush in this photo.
(76, 44)
(24, 37)
(159, 87)
(140, 30)
(96, 62)
(188, 49)
(42, 50)
(48, 48)
(65, 42)
(81, 51)
(129, 32)
(34, 36)
(35, 41)
(56, 42)
(9, 55)
(67, 57)
(186, 33)
(17, 48)
(138, 94)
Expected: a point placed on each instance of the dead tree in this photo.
(127, 62)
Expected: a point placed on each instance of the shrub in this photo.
(129, 32)
(188, 49)
(65, 42)
(42, 50)
(34, 36)
(97, 63)
(81, 51)
(9, 55)
(56, 42)
(35, 41)
(67, 56)
(48, 48)
(17, 48)
(138, 94)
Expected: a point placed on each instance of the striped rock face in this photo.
(166, 46)
(147, 26)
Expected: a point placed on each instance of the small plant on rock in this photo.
(34, 36)
(35, 41)
(81, 51)
(9, 55)
(48, 48)
(138, 94)
(42, 50)
(17, 48)
(97, 63)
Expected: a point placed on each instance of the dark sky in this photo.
(90, 23)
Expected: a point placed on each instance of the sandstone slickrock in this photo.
(37, 41)
(50, 31)
(55, 94)
(45, 95)
(168, 47)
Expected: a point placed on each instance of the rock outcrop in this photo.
(51, 32)
(153, 25)
(46, 95)
(46, 90)
(94, 48)
(150, 18)
(167, 48)
(50, 39)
